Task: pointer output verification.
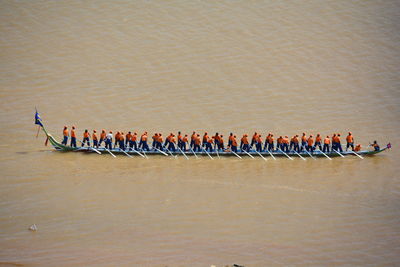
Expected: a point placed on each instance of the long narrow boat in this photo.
(318, 154)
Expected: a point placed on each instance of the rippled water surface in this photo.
(267, 66)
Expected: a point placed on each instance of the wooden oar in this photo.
(309, 154)
(236, 155)
(170, 152)
(216, 150)
(162, 152)
(110, 152)
(285, 154)
(356, 154)
(299, 155)
(324, 154)
(123, 151)
(247, 153)
(261, 155)
(95, 150)
(193, 153)
(271, 155)
(207, 153)
(338, 153)
(134, 150)
(183, 152)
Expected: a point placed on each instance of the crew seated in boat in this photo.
(132, 142)
(244, 143)
(234, 144)
(73, 137)
(65, 134)
(86, 136)
(375, 146)
(108, 140)
(350, 141)
(310, 142)
(358, 148)
(143, 142)
(95, 140)
(209, 144)
(318, 140)
(197, 142)
(327, 142)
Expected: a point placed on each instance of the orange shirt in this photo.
(279, 140)
(134, 137)
(295, 139)
(221, 140)
(285, 140)
(210, 140)
(144, 137)
(172, 140)
(310, 141)
(205, 138)
(244, 140)
(327, 141)
(160, 139)
(197, 141)
(234, 143)
(337, 139)
(303, 138)
(103, 135)
(179, 137)
(271, 140)
(318, 139)
(349, 139)
(86, 135)
(121, 137)
(117, 136)
(73, 134)
(94, 136)
(185, 139)
(65, 132)
(193, 137)
(128, 136)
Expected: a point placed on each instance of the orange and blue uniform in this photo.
(73, 137)
(65, 134)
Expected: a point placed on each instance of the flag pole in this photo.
(38, 129)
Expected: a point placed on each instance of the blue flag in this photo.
(38, 120)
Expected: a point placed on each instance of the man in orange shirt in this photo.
(216, 140)
(253, 139)
(338, 144)
(159, 142)
(143, 142)
(155, 140)
(258, 143)
(121, 141)
(303, 142)
(310, 142)
(132, 142)
(94, 138)
(197, 142)
(171, 142)
(230, 140)
(209, 144)
(327, 141)
(128, 137)
(192, 139)
(285, 144)
(65, 134)
(116, 137)
(73, 137)
(185, 140)
(234, 144)
(86, 136)
(244, 143)
(334, 146)
(102, 136)
(318, 140)
(271, 143)
(350, 141)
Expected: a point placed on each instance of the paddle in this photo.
(356, 154)
(271, 155)
(216, 150)
(338, 153)
(324, 154)
(207, 153)
(123, 151)
(261, 155)
(285, 154)
(309, 154)
(193, 152)
(236, 155)
(170, 152)
(247, 153)
(134, 150)
(162, 152)
(110, 152)
(89, 147)
(183, 152)
(299, 155)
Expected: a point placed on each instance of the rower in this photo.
(185, 139)
(159, 141)
(216, 140)
(209, 144)
(65, 134)
(318, 140)
(375, 146)
(295, 140)
(285, 144)
(108, 140)
(116, 137)
(128, 137)
(234, 144)
(327, 141)
(86, 136)
(279, 142)
(244, 143)
(334, 145)
(205, 139)
(155, 139)
(143, 142)
(350, 141)
(94, 138)
(271, 143)
(310, 142)
(267, 141)
(221, 142)
(338, 144)
(253, 139)
(172, 143)
(168, 140)
(358, 148)
(102, 136)
(192, 139)
(73, 137)
(132, 142)
(230, 140)
(258, 143)
(180, 140)
(197, 142)
(122, 141)
(303, 141)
